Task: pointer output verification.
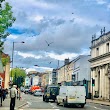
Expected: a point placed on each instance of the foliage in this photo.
(6, 21)
(18, 76)
(5, 60)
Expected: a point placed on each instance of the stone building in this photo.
(100, 66)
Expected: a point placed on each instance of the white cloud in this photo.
(43, 69)
(12, 37)
(62, 56)
(36, 18)
(108, 6)
(101, 2)
(25, 55)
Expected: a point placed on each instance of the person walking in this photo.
(13, 95)
(19, 94)
(1, 95)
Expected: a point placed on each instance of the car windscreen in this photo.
(54, 90)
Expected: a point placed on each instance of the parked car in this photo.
(26, 91)
(50, 92)
(72, 95)
(38, 92)
(22, 89)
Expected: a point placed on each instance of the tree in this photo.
(18, 76)
(6, 21)
(5, 59)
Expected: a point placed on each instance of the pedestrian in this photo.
(13, 95)
(1, 95)
(4, 94)
(19, 93)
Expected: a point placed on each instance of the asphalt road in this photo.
(36, 103)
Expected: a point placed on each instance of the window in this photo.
(107, 47)
(97, 51)
(0, 81)
(74, 77)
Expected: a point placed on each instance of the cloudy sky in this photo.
(67, 25)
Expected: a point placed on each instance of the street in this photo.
(35, 102)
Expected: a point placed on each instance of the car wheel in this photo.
(82, 105)
(64, 104)
(43, 98)
(58, 103)
(47, 100)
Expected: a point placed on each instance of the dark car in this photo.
(50, 92)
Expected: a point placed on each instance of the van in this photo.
(72, 95)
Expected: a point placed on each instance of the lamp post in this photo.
(13, 55)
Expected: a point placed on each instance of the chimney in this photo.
(66, 61)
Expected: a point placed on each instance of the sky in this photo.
(66, 25)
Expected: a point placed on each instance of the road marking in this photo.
(29, 103)
(53, 105)
(38, 109)
(96, 107)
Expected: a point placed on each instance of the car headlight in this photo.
(48, 94)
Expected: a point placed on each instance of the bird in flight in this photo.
(50, 62)
(48, 43)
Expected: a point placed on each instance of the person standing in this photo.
(1, 95)
(13, 95)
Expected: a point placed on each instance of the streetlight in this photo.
(13, 55)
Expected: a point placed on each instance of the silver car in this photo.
(38, 92)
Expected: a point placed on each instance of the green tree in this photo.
(6, 21)
(18, 76)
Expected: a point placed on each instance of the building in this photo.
(36, 80)
(2, 74)
(54, 76)
(75, 72)
(27, 81)
(5, 70)
(100, 66)
(81, 72)
(65, 73)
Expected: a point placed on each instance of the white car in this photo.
(38, 92)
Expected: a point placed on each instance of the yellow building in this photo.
(65, 73)
(7, 75)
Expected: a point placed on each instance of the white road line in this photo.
(29, 103)
(96, 107)
(40, 109)
(53, 105)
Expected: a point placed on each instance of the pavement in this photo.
(107, 103)
(18, 104)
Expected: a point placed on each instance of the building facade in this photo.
(81, 72)
(100, 66)
(54, 76)
(2, 75)
(27, 81)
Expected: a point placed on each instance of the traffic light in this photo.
(84, 82)
(93, 82)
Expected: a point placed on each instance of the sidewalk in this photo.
(98, 102)
(18, 104)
